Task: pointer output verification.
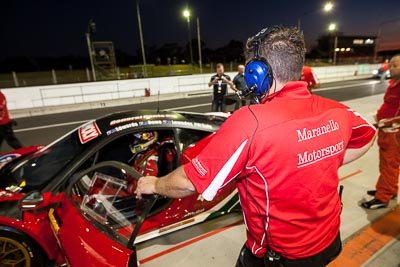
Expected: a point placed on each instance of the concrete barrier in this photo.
(48, 99)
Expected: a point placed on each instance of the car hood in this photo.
(12, 155)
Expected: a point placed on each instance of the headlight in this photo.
(375, 72)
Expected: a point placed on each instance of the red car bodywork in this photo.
(68, 235)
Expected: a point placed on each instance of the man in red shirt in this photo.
(309, 76)
(6, 130)
(284, 155)
(384, 68)
(388, 117)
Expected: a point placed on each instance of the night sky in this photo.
(51, 28)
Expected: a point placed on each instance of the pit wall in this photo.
(48, 99)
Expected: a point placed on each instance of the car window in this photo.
(148, 152)
(109, 203)
(188, 137)
(38, 169)
(104, 197)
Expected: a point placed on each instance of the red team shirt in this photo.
(285, 158)
(308, 76)
(4, 116)
(391, 102)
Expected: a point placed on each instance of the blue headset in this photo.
(258, 72)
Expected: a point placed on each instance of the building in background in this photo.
(347, 48)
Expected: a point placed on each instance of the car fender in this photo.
(37, 227)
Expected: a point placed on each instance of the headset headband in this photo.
(257, 42)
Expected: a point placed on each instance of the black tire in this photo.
(19, 250)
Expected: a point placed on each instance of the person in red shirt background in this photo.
(309, 76)
(385, 67)
(388, 117)
(283, 154)
(6, 124)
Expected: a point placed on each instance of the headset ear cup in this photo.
(258, 77)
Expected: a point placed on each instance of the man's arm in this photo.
(352, 154)
(176, 184)
(212, 81)
(231, 84)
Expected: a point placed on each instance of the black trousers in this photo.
(247, 259)
(7, 133)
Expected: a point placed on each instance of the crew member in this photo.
(283, 154)
(309, 76)
(6, 124)
(388, 117)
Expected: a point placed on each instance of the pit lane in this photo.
(217, 242)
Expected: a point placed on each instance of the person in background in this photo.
(385, 67)
(283, 155)
(219, 82)
(388, 117)
(239, 85)
(151, 155)
(309, 76)
(6, 125)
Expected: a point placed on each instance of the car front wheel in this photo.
(19, 250)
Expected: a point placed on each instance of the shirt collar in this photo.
(295, 89)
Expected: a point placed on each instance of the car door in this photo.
(99, 218)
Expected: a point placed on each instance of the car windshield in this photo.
(38, 169)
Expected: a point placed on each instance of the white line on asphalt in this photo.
(185, 107)
(49, 126)
(345, 86)
(178, 108)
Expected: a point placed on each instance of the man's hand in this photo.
(213, 81)
(146, 185)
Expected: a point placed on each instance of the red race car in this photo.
(71, 202)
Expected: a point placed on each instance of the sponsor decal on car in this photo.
(7, 158)
(142, 117)
(175, 225)
(88, 132)
(159, 122)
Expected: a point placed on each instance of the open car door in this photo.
(99, 218)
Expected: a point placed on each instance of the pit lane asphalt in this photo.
(39, 130)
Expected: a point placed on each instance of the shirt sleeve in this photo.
(362, 131)
(213, 168)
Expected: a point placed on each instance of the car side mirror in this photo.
(31, 201)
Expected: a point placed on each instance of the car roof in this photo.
(141, 119)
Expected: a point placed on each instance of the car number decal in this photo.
(88, 132)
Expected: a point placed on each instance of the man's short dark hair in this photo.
(284, 49)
